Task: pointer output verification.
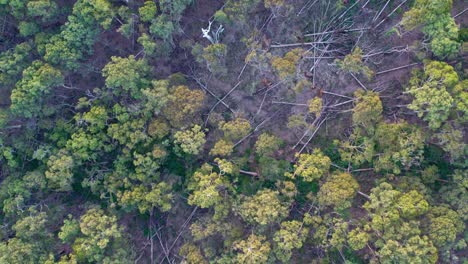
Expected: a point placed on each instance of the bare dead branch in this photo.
(461, 13)
(181, 230)
(261, 104)
(347, 10)
(288, 103)
(396, 49)
(398, 68)
(300, 44)
(222, 101)
(357, 80)
(313, 134)
(365, 4)
(339, 95)
(363, 194)
(313, 57)
(212, 94)
(340, 104)
(257, 128)
(339, 167)
(381, 10)
(242, 71)
(338, 30)
(164, 249)
(251, 173)
(307, 6)
(391, 13)
(309, 128)
(360, 170)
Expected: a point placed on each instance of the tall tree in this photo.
(209, 189)
(311, 166)
(438, 24)
(367, 110)
(285, 66)
(60, 171)
(430, 89)
(255, 249)
(191, 141)
(398, 145)
(13, 62)
(291, 235)
(38, 81)
(263, 208)
(183, 106)
(236, 129)
(338, 190)
(127, 75)
(99, 232)
(354, 63)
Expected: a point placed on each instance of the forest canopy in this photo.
(233, 131)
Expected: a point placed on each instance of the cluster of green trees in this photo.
(435, 18)
(90, 155)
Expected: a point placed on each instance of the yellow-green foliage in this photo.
(146, 199)
(296, 121)
(225, 167)
(285, 67)
(338, 190)
(206, 187)
(451, 140)
(191, 140)
(183, 106)
(315, 106)
(438, 24)
(399, 144)
(274, 3)
(431, 90)
(311, 166)
(267, 144)
(255, 249)
(158, 128)
(353, 63)
(236, 129)
(264, 208)
(222, 148)
(60, 171)
(148, 11)
(367, 111)
(214, 56)
(445, 225)
(191, 254)
(98, 231)
(291, 235)
(358, 239)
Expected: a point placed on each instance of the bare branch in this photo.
(383, 8)
(398, 68)
(288, 103)
(338, 30)
(222, 100)
(251, 173)
(461, 13)
(335, 94)
(313, 134)
(363, 194)
(391, 13)
(300, 44)
(257, 128)
(357, 80)
(212, 94)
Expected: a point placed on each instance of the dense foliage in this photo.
(234, 131)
